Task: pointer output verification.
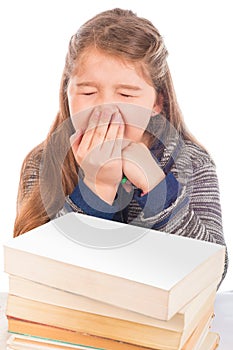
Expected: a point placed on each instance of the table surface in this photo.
(222, 324)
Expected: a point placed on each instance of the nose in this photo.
(107, 101)
(107, 97)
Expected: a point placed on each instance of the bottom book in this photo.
(211, 342)
(63, 337)
(21, 342)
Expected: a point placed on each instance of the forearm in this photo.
(84, 200)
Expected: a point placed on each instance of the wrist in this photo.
(105, 191)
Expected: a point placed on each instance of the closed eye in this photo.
(88, 93)
(126, 95)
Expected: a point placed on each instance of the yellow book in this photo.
(38, 292)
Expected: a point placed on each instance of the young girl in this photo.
(118, 148)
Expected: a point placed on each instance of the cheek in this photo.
(78, 104)
(72, 101)
(73, 106)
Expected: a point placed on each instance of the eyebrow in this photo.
(128, 87)
(117, 86)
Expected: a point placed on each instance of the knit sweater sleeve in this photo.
(200, 215)
(196, 212)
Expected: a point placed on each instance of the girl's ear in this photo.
(158, 106)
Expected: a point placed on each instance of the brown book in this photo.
(155, 275)
(107, 327)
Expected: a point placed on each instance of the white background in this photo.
(34, 40)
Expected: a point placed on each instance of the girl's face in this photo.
(103, 79)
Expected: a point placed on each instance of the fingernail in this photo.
(96, 114)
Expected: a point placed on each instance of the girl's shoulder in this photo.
(198, 155)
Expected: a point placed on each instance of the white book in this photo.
(155, 274)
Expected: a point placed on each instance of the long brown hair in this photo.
(48, 176)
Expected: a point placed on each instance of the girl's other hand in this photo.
(98, 152)
(140, 168)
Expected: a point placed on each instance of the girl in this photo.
(119, 118)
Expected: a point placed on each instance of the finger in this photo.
(111, 134)
(75, 140)
(88, 135)
(102, 129)
(113, 127)
(117, 146)
(121, 130)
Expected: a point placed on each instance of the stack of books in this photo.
(156, 292)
